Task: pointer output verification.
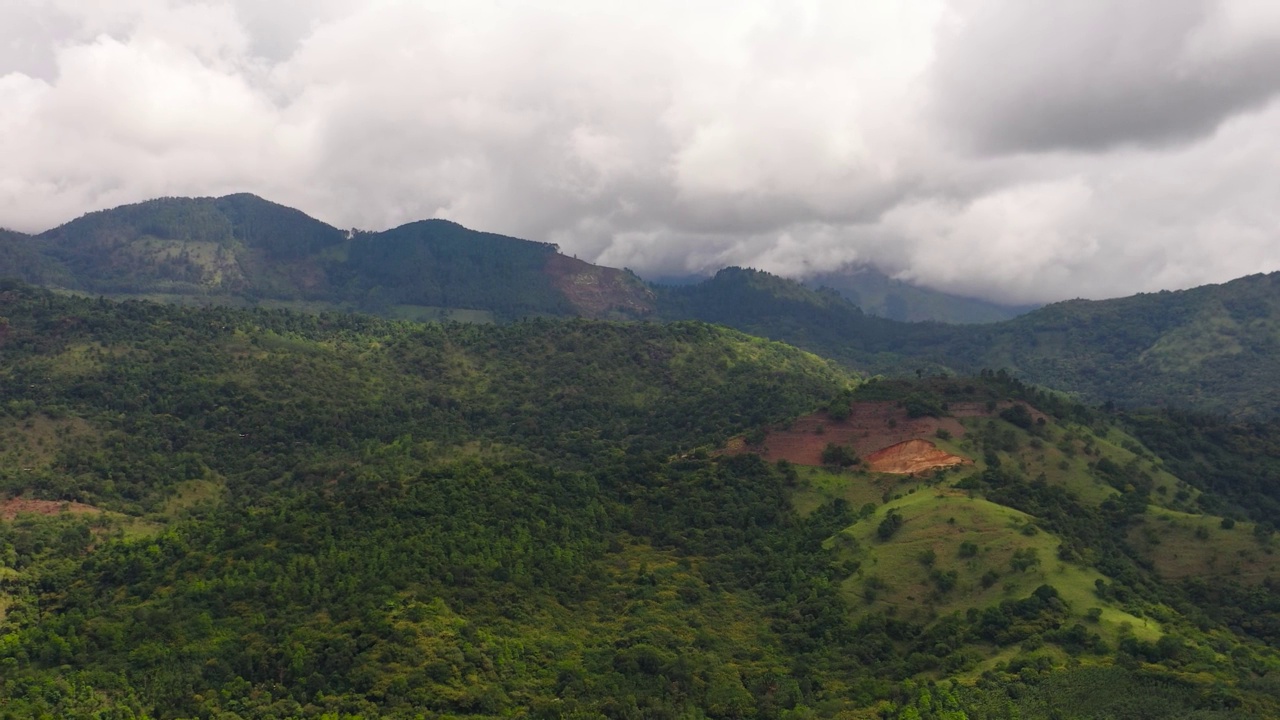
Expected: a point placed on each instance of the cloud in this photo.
(1011, 150)
(1092, 74)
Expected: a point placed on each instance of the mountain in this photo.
(219, 512)
(241, 249)
(880, 295)
(877, 294)
(1211, 348)
(762, 304)
(237, 244)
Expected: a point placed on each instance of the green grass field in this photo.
(819, 485)
(1182, 545)
(896, 574)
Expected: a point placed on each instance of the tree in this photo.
(838, 455)
(890, 525)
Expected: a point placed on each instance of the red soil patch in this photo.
(12, 508)
(870, 427)
(599, 291)
(911, 457)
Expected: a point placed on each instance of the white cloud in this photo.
(992, 147)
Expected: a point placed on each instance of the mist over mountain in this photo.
(878, 294)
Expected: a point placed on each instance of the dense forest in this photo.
(259, 513)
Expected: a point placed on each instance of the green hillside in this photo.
(1212, 348)
(211, 512)
(21, 260)
(769, 306)
(238, 244)
(241, 250)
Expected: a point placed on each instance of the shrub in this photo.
(922, 405)
(1024, 559)
(838, 455)
(1017, 415)
(890, 525)
(839, 410)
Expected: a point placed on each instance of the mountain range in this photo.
(595, 497)
(1211, 348)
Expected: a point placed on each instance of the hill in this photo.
(880, 295)
(762, 304)
(877, 294)
(21, 260)
(243, 250)
(1005, 502)
(1210, 348)
(272, 514)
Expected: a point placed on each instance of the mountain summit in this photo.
(241, 249)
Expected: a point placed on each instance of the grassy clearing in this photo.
(983, 543)
(32, 443)
(192, 495)
(1182, 545)
(78, 360)
(819, 485)
(1066, 456)
(991, 552)
(1120, 448)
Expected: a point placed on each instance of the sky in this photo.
(1016, 150)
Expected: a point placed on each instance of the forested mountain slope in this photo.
(20, 259)
(259, 513)
(1213, 348)
(241, 249)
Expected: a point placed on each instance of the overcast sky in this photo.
(1018, 150)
